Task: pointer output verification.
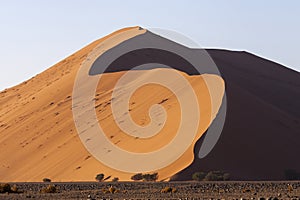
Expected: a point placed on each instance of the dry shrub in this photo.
(166, 190)
(112, 190)
(5, 187)
(49, 189)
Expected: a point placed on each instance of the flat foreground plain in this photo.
(153, 190)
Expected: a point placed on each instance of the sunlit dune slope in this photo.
(38, 137)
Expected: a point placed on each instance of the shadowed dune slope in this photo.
(261, 136)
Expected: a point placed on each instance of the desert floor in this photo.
(148, 190)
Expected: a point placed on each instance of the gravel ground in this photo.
(148, 190)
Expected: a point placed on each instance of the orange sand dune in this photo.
(38, 137)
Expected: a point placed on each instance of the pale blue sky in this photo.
(35, 34)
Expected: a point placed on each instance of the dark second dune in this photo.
(261, 135)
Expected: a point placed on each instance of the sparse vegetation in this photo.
(46, 180)
(168, 190)
(99, 177)
(5, 187)
(174, 190)
(211, 176)
(112, 190)
(150, 190)
(49, 189)
(290, 188)
(150, 177)
(116, 179)
(145, 177)
(199, 176)
(104, 190)
(14, 189)
(137, 177)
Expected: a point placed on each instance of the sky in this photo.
(35, 34)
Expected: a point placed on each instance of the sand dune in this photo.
(261, 135)
(260, 139)
(39, 138)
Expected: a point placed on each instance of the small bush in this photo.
(166, 190)
(14, 189)
(104, 190)
(137, 177)
(150, 177)
(49, 189)
(246, 190)
(116, 179)
(99, 177)
(199, 176)
(112, 190)
(211, 176)
(145, 177)
(5, 187)
(46, 180)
